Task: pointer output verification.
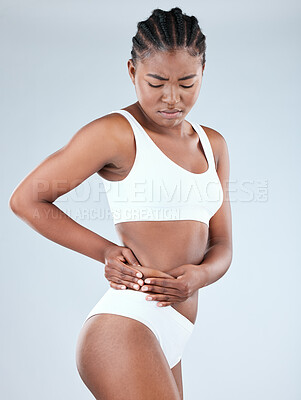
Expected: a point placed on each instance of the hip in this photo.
(134, 302)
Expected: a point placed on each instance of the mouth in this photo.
(170, 113)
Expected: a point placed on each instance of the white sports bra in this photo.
(158, 189)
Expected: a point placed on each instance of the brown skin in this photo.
(171, 94)
(185, 246)
(120, 358)
(200, 254)
(179, 256)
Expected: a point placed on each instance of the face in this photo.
(167, 81)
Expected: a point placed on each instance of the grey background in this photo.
(63, 64)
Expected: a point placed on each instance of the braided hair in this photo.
(168, 31)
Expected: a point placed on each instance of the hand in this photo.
(176, 289)
(117, 272)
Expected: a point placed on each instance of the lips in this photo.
(170, 114)
(175, 110)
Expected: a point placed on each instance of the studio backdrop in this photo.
(64, 64)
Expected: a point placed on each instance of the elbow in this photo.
(228, 246)
(15, 203)
(230, 260)
(18, 201)
(230, 257)
(227, 255)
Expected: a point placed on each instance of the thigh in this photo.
(120, 358)
(177, 374)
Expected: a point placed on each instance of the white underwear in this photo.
(171, 328)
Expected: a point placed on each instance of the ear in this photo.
(131, 70)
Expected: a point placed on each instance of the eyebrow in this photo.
(165, 79)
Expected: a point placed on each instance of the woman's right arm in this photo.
(88, 151)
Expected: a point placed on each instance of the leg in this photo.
(177, 373)
(119, 358)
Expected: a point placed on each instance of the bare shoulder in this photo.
(96, 145)
(107, 135)
(122, 139)
(110, 127)
(217, 141)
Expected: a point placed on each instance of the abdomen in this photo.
(165, 244)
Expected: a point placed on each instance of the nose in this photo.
(171, 96)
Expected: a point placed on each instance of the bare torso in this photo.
(163, 245)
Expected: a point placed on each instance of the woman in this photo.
(166, 178)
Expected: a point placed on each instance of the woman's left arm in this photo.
(218, 255)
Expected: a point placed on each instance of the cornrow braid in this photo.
(168, 31)
(179, 27)
(161, 21)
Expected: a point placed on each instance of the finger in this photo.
(131, 271)
(161, 298)
(118, 287)
(159, 289)
(122, 281)
(164, 304)
(124, 269)
(118, 278)
(129, 256)
(163, 282)
(128, 279)
(160, 282)
(115, 274)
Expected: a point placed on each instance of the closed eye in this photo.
(186, 87)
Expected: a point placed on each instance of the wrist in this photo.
(109, 247)
(202, 275)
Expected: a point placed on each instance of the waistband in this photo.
(141, 297)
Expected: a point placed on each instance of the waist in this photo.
(165, 244)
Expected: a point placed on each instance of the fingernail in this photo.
(147, 281)
(139, 275)
(149, 298)
(144, 288)
(137, 287)
(140, 282)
